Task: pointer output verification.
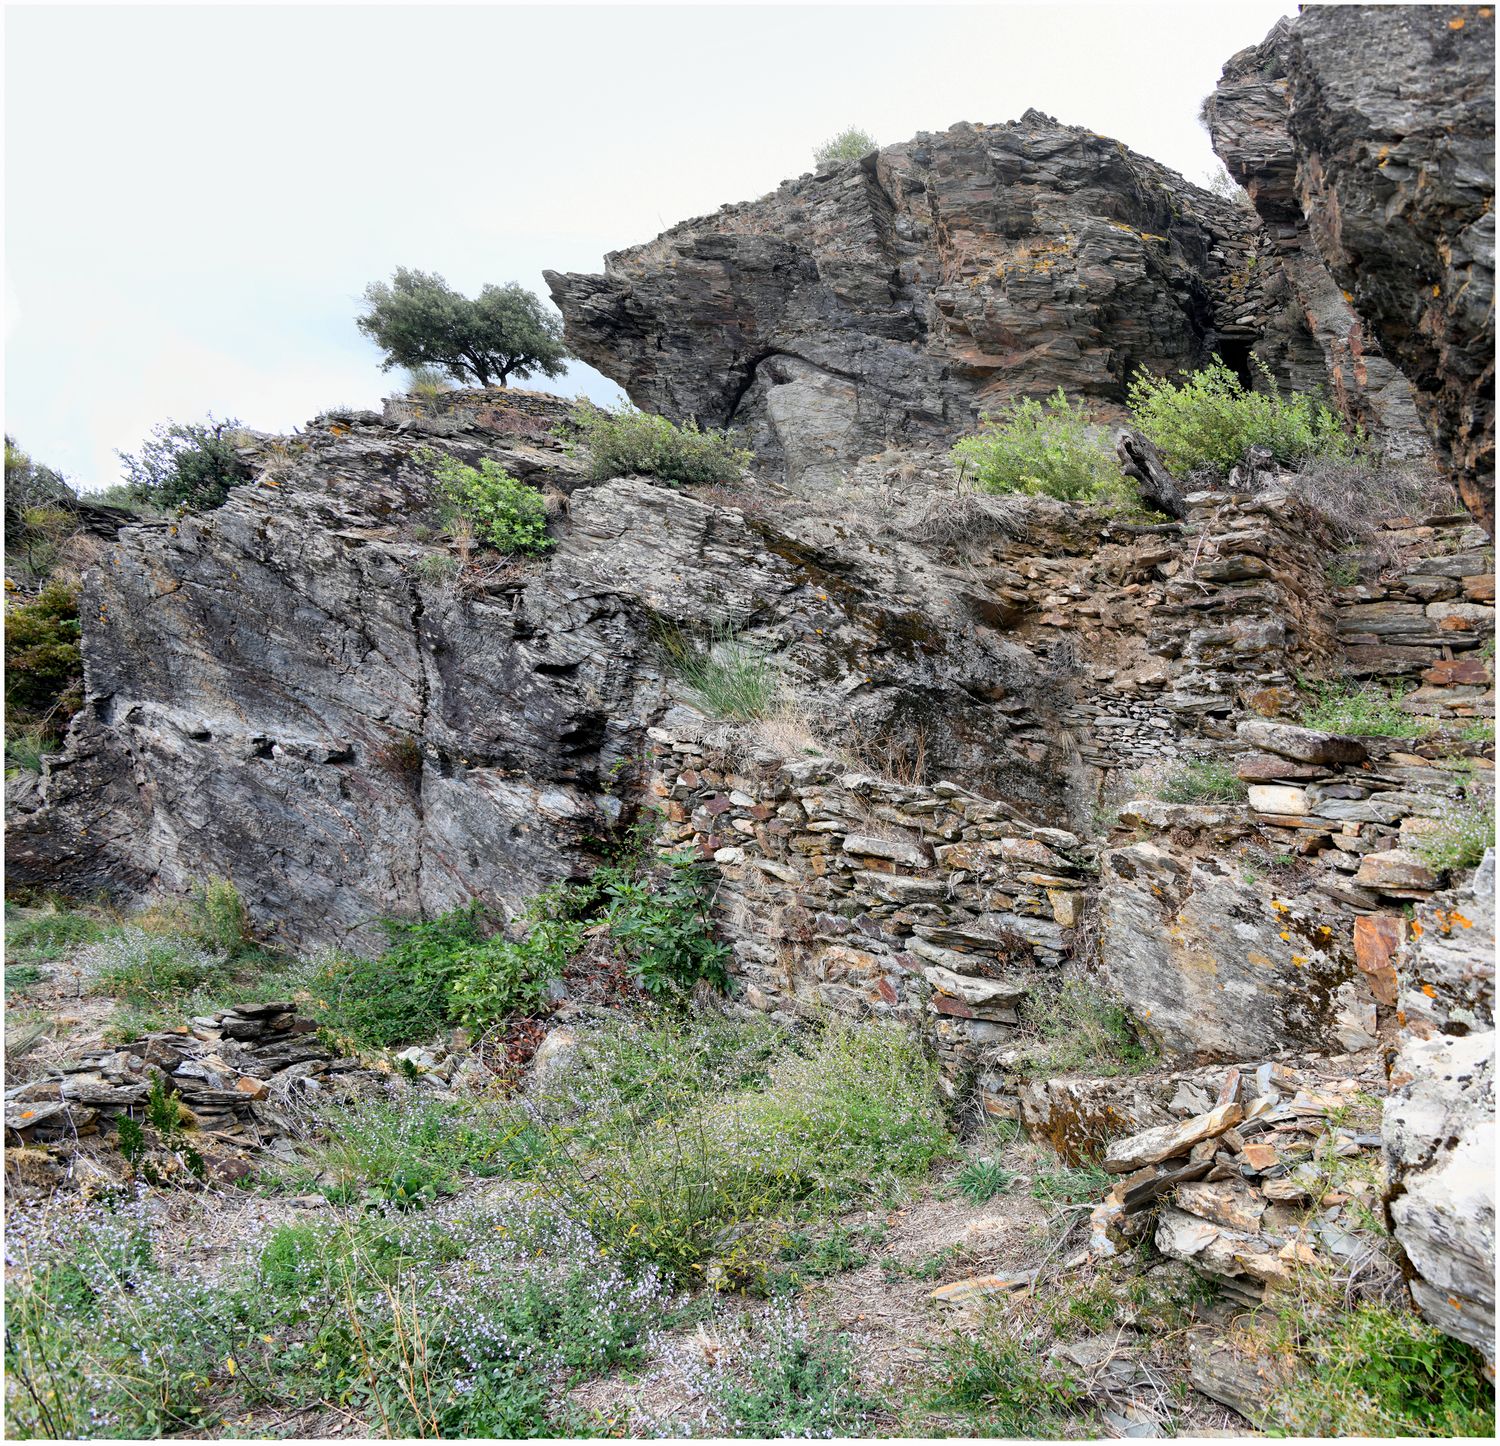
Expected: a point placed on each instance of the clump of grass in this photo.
(1078, 1029)
(1069, 1184)
(982, 1180)
(726, 677)
(1364, 710)
(27, 747)
(850, 144)
(150, 970)
(1201, 780)
(43, 937)
(998, 1375)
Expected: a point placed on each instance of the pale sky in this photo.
(196, 196)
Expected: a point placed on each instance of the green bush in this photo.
(1381, 1371)
(1364, 710)
(218, 917)
(500, 976)
(850, 144)
(504, 514)
(1210, 419)
(1043, 449)
(189, 465)
(628, 443)
(663, 928)
(43, 661)
(696, 1192)
(1201, 780)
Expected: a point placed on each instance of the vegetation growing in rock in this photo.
(418, 320)
(850, 144)
(1465, 830)
(1042, 449)
(37, 516)
(629, 443)
(43, 668)
(488, 504)
(186, 465)
(1211, 419)
(1201, 780)
(725, 676)
(1363, 709)
(1077, 1027)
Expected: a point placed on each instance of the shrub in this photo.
(1210, 419)
(504, 513)
(146, 969)
(218, 918)
(850, 144)
(1363, 709)
(628, 443)
(727, 678)
(188, 465)
(663, 927)
(1042, 449)
(1381, 1371)
(503, 976)
(43, 661)
(694, 1192)
(1201, 780)
(403, 995)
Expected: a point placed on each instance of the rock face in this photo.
(1366, 136)
(299, 691)
(894, 299)
(1439, 1125)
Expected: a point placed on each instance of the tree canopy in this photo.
(418, 320)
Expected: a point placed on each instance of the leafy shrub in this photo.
(1043, 449)
(663, 927)
(503, 976)
(39, 515)
(218, 918)
(727, 678)
(1363, 709)
(1201, 780)
(504, 513)
(850, 144)
(43, 660)
(189, 465)
(1464, 833)
(1210, 419)
(1380, 1371)
(403, 995)
(629, 443)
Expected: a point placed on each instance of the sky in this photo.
(196, 196)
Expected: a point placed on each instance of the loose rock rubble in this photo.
(237, 1073)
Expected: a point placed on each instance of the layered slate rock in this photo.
(298, 692)
(895, 298)
(1366, 136)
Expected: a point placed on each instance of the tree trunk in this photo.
(1140, 460)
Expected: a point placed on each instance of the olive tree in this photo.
(418, 320)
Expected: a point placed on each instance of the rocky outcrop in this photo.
(896, 298)
(350, 723)
(1365, 135)
(1439, 1126)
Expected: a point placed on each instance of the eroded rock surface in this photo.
(894, 299)
(1366, 136)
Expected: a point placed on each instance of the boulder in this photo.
(1301, 745)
